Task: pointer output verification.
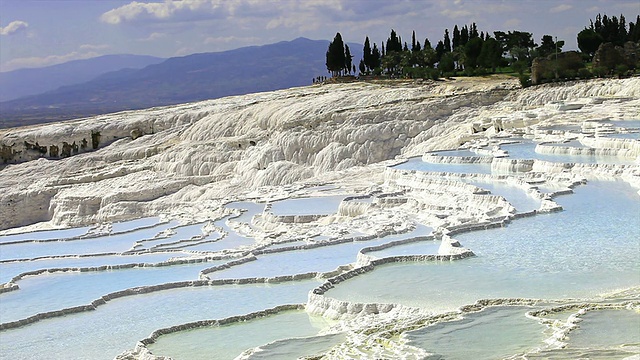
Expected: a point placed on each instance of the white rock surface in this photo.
(194, 157)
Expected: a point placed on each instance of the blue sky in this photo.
(35, 33)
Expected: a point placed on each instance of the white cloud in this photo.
(13, 27)
(168, 10)
(154, 36)
(230, 39)
(94, 47)
(561, 8)
(289, 13)
(512, 23)
(35, 62)
(454, 14)
(184, 51)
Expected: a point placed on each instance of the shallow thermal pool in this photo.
(228, 341)
(526, 150)
(14, 268)
(318, 259)
(57, 291)
(588, 249)
(116, 243)
(604, 328)
(455, 153)
(482, 335)
(117, 325)
(627, 124)
(46, 235)
(122, 321)
(515, 195)
(417, 164)
(324, 205)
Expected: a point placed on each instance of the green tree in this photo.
(427, 43)
(366, 55)
(446, 64)
(611, 29)
(455, 42)
(391, 62)
(491, 54)
(427, 57)
(415, 45)
(447, 41)
(440, 50)
(375, 57)
(348, 58)
(517, 43)
(335, 56)
(622, 29)
(634, 30)
(589, 41)
(464, 36)
(394, 43)
(473, 32)
(548, 46)
(471, 53)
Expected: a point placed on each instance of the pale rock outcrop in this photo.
(186, 159)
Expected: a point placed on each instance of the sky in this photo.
(36, 33)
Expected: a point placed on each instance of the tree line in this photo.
(467, 51)
(607, 30)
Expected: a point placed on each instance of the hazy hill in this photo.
(18, 83)
(177, 80)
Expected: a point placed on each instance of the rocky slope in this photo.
(187, 160)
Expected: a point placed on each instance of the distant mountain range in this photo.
(19, 83)
(176, 80)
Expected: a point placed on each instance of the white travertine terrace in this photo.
(185, 158)
(186, 162)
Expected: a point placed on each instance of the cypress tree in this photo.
(598, 25)
(447, 41)
(413, 41)
(473, 33)
(394, 43)
(375, 57)
(335, 56)
(347, 58)
(613, 29)
(634, 30)
(456, 37)
(439, 50)
(464, 36)
(622, 26)
(366, 53)
(427, 43)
